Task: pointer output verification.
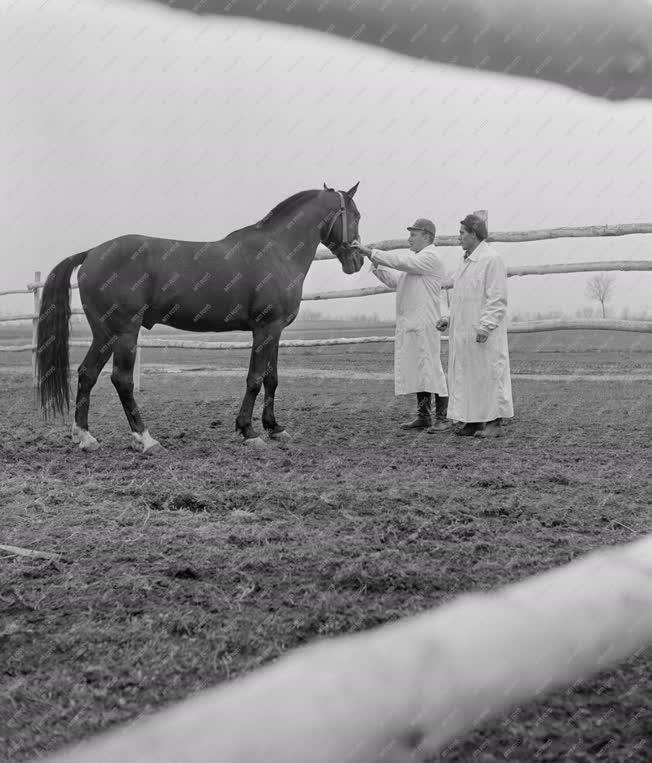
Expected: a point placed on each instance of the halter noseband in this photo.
(345, 228)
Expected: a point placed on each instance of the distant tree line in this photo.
(587, 311)
(308, 314)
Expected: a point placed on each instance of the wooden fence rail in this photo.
(529, 327)
(513, 236)
(512, 272)
(597, 47)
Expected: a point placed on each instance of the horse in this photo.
(251, 280)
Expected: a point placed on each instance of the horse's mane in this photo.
(285, 207)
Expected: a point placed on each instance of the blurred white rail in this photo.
(405, 690)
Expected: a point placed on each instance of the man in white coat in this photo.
(478, 356)
(417, 277)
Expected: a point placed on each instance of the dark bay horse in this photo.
(251, 280)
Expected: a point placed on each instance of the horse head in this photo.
(340, 227)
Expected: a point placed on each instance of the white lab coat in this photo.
(417, 363)
(478, 374)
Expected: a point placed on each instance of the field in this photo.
(189, 569)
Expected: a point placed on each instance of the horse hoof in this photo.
(156, 449)
(282, 435)
(89, 445)
(255, 442)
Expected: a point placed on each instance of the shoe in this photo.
(421, 422)
(468, 430)
(424, 417)
(490, 430)
(440, 426)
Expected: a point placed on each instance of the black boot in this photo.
(424, 416)
(491, 429)
(441, 410)
(470, 428)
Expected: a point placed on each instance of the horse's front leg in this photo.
(270, 382)
(262, 340)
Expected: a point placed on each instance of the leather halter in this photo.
(345, 227)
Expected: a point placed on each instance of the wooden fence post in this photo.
(35, 314)
(483, 214)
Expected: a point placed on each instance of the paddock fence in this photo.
(644, 326)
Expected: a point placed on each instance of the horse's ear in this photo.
(351, 192)
(326, 188)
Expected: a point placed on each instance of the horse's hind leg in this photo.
(87, 375)
(124, 358)
(270, 383)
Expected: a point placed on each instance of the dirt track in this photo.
(324, 373)
(195, 567)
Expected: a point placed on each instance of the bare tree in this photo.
(600, 287)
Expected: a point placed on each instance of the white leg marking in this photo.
(255, 442)
(282, 435)
(86, 440)
(145, 442)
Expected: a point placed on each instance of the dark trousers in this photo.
(424, 405)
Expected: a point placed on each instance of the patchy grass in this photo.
(192, 568)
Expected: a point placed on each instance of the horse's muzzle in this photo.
(351, 260)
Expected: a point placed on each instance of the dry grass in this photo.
(190, 569)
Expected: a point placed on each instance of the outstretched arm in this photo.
(599, 47)
(423, 263)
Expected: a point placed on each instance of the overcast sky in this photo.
(138, 119)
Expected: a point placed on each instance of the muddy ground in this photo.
(187, 570)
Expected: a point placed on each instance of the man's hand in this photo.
(442, 324)
(481, 337)
(362, 249)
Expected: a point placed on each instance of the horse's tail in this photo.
(52, 354)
